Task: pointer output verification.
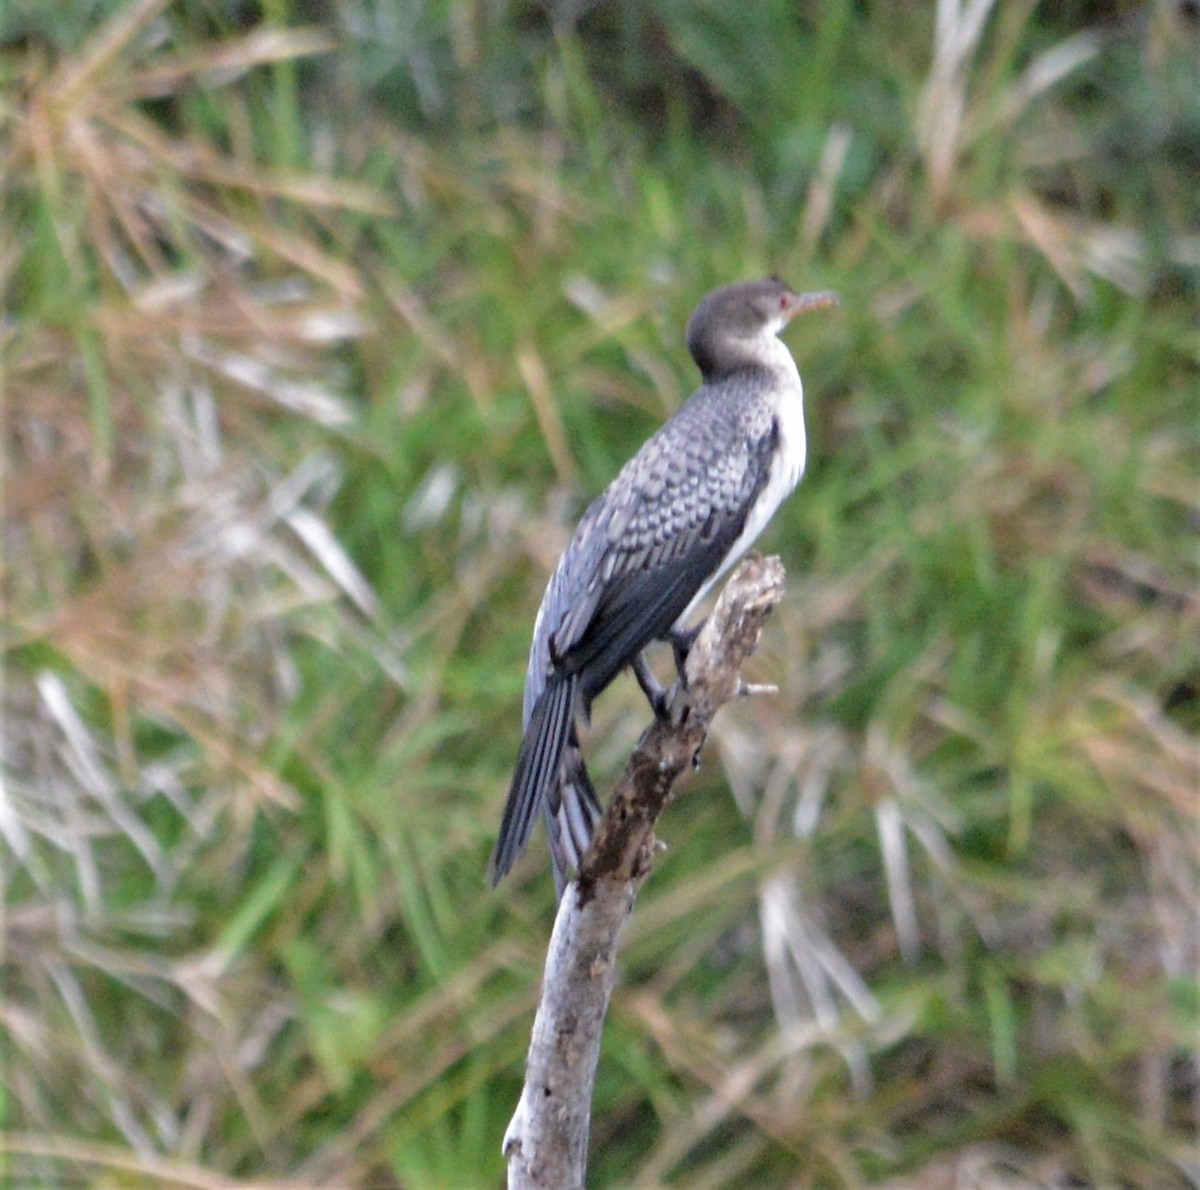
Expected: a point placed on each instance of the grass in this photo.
(316, 339)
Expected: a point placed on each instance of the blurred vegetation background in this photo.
(324, 319)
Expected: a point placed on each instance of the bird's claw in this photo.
(681, 640)
(652, 688)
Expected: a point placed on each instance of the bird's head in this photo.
(727, 322)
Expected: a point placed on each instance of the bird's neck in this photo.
(764, 355)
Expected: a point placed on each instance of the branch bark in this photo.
(546, 1142)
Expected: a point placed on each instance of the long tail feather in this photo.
(571, 824)
(536, 780)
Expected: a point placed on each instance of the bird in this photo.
(685, 508)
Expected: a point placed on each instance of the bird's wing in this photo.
(651, 544)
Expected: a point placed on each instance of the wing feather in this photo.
(643, 582)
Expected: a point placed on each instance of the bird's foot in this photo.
(652, 688)
(681, 640)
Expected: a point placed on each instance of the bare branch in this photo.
(546, 1141)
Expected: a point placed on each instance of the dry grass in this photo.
(165, 547)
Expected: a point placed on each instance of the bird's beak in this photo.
(802, 303)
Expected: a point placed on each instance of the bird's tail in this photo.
(571, 817)
(550, 776)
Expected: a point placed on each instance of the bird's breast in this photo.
(783, 473)
(785, 469)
